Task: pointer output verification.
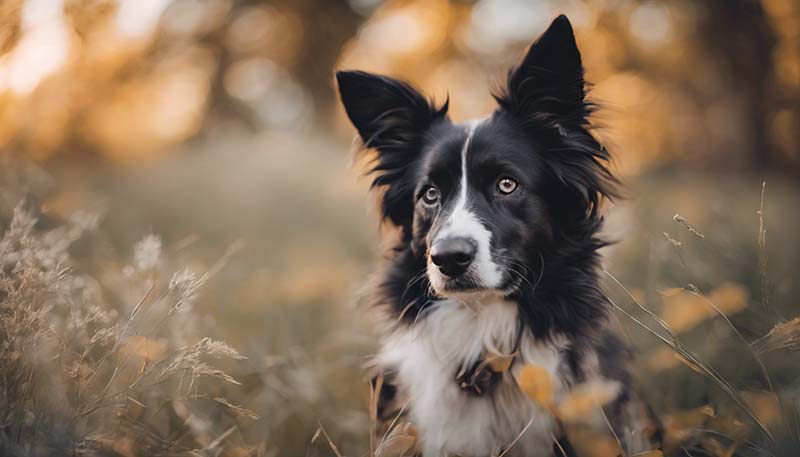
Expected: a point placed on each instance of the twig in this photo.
(393, 424)
(613, 432)
(522, 432)
(560, 448)
(762, 250)
(374, 391)
(214, 444)
(328, 438)
(679, 219)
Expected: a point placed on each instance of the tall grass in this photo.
(731, 388)
(109, 366)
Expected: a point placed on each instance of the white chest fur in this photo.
(426, 357)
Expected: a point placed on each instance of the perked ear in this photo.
(548, 84)
(545, 94)
(391, 117)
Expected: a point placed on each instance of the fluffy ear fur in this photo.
(391, 117)
(548, 82)
(545, 94)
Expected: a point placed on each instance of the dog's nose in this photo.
(453, 255)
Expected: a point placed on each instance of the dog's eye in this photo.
(430, 196)
(506, 186)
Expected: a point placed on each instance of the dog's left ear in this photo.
(548, 83)
(545, 93)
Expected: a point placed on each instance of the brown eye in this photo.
(431, 196)
(506, 186)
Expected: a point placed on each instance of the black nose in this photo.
(453, 255)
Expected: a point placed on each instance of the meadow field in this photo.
(185, 236)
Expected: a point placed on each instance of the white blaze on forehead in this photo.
(462, 200)
(462, 222)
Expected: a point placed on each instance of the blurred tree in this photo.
(739, 37)
(323, 26)
(711, 82)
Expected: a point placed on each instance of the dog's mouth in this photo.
(457, 285)
(444, 286)
(470, 283)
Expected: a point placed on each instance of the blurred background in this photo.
(214, 126)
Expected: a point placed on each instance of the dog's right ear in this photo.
(391, 117)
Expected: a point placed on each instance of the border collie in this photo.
(497, 256)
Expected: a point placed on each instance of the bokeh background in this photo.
(214, 125)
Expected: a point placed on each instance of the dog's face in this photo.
(478, 209)
(483, 200)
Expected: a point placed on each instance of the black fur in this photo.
(541, 124)
(546, 234)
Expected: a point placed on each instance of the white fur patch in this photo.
(426, 357)
(462, 222)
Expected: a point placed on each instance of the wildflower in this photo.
(147, 252)
(184, 286)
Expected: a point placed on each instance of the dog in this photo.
(496, 264)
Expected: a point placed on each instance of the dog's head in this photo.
(483, 200)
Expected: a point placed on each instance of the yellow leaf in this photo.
(241, 451)
(637, 294)
(692, 418)
(662, 359)
(591, 442)
(402, 442)
(499, 363)
(671, 292)
(678, 424)
(536, 383)
(685, 310)
(729, 297)
(120, 445)
(587, 398)
(764, 406)
(689, 363)
(145, 348)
